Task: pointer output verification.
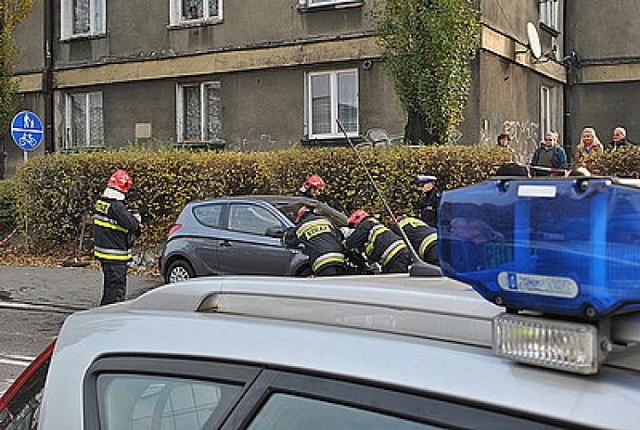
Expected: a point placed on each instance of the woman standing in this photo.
(589, 143)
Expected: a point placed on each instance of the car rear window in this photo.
(131, 401)
(290, 210)
(209, 215)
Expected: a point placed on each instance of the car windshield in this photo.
(290, 210)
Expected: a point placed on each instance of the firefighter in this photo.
(114, 230)
(378, 243)
(429, 200)
(423, 237)
(312, 187)
(321, 239)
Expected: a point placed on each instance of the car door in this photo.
(210, 219)
(247, 249)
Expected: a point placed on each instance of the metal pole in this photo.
(419, 267)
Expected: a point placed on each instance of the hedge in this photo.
(57, 191)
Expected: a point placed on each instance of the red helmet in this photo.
(357, 216)
(120, 180)
(314, 181)
(303, 210)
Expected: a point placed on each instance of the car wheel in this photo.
(179, 270)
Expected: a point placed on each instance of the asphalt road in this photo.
(35, 301)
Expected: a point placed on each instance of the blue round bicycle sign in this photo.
(26, 130)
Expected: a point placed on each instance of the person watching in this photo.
(550, 154)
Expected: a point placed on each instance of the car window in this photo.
(285, 411)
(290, 210)
(129, 401)
(209, 215)
(249, 218)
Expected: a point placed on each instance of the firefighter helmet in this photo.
(120, 180)
(314, 181)
(357, 216)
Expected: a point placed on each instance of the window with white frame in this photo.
(82, 18)
(332, 95)
(547, 109)
(186, 11)
(199, 116)
(549, 13)
(315, 3)
(84, 120)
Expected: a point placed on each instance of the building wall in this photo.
(605, 87)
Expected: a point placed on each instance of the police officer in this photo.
(430, 199)
(321, 239)
(378, 243)
(312, 187)
(114, 229)
(423, 238)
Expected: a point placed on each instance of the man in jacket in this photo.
(619, 140)
(423, 238)
(549, 154)
(114, 229)
(378, 243)
(321, 239)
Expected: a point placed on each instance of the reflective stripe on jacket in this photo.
(113, 230)
(378, 243)
(321, 239)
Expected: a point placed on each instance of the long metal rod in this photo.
(419, 267)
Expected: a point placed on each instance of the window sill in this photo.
(548, 29)
(330, 6)
(200, 144)
(81, 149)
(195, 23)
(68, 39)
(330, 141)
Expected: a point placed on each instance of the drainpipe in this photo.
(47, 78)
(566, 92)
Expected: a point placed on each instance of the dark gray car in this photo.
(237, 235)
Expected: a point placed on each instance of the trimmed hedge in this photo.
(8, 203)
(57, 191)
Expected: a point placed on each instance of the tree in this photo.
(428, 46)
(11, 13)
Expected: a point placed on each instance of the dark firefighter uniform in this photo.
(114, 227)
(428, 206)
(380, 245)
(422, 237)
(322, 243)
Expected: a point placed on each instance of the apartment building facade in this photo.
(258, 75)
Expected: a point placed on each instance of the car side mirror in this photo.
(275, 231)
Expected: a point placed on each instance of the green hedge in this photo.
(8, 203)
(57, 191)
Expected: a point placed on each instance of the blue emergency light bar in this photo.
(568, 246)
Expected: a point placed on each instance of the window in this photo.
(187, 11)
(199, 112)
(82, 18)
(251, 219)
(84, 120)
(547, 110)
(549, 13)
(331, 96)
(209, 215)
(284, 411)
(317, 3)
(144, 402)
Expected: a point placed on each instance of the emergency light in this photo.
(568, 246)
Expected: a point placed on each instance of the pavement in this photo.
(75, 287)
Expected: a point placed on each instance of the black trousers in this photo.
(330, 271)
(115, 281)
(398, 264)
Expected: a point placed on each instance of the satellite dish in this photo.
(534, 40)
